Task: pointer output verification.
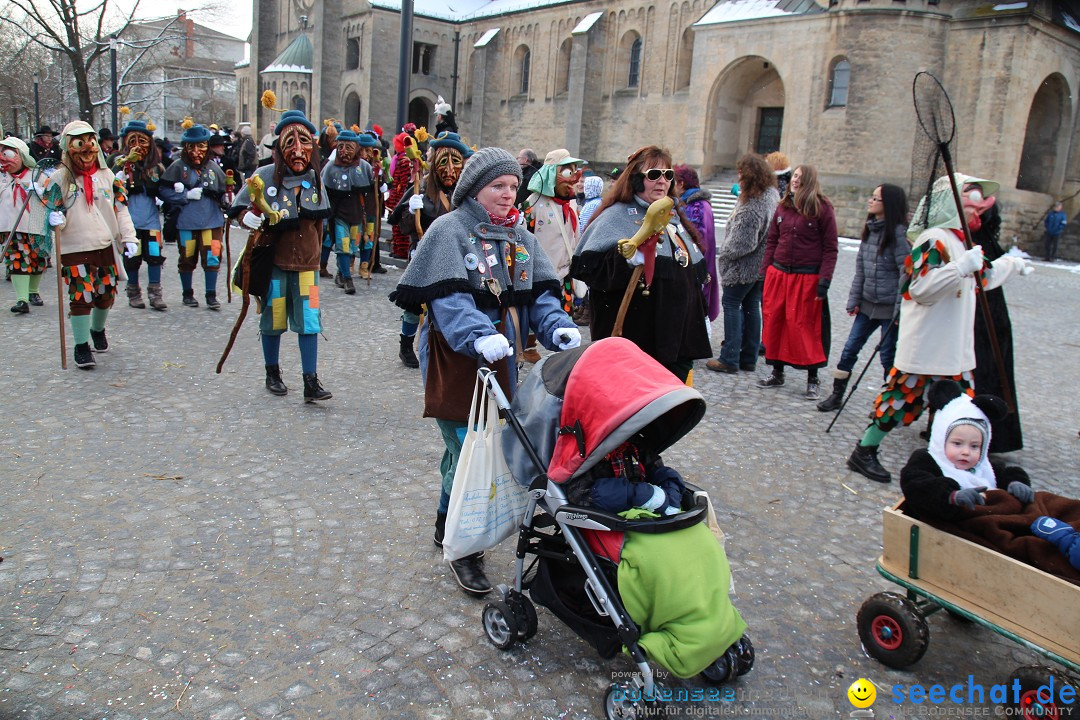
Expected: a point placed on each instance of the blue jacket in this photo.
(204, 213)
(1055, 222)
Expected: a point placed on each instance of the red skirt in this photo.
(794, 322)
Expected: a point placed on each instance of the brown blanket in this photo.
(1004, 524)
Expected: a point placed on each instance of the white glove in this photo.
(383, 188)
(638, 259)
(970, 261)
(251, 220)
(158, 202)
(194, 194)
(1027, 269)
(131, 249)
(178, 187)
(566, 338)
(492, 347)
(56, 218)
(416, 202)
(121, 176)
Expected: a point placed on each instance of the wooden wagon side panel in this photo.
(1020, 598)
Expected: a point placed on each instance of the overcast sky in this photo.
(234, 17)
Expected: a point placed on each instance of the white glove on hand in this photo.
(566, 338)
(383, 188)
(492, 347)
(178, 187)
(970, 261)
(122, 176)
(56, 218)
(416, 202)
(251, 220)
(194, 194)
(638, 259)
(1027, 269)
(131, 249)
(158, 202)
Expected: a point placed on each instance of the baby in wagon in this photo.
(630, 476)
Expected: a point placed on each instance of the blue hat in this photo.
(451, 140)
(367, 140)
(292, 117)
(348, 136)
(195, 134)
(136, 126)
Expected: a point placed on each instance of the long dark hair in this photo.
(894, 199)
(631, 181)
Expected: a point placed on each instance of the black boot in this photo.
(339, 280)
(83, 357)
(350, 288)
(274, 383)
(836, 399)
(469, 573)
(313, 390)
(101, 344)
(774, 380)
(440, 528)
(212, 301)
(35, 300)
(189, 298)
(20, 308)
(864, 461)
(408, 357)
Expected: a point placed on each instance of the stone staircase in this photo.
(723, 202)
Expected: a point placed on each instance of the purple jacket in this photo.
(699, 212)
(798, 241)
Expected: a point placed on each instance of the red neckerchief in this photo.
(18, 189)
(508, 221)
(567, 212)
(88, 186)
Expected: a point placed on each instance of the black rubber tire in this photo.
(723, 668)
(499, 625)
(745, 650)
(630, 710)
(524, 614)
(893, 630)
(1031, 677)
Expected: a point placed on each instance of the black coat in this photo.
(927, 491)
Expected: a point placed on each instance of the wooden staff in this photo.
(245, 283)
(228, 250)
(413, 153)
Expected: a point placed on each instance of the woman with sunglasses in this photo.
(666, 314)
(800, 255)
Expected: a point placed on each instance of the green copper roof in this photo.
(298, 57)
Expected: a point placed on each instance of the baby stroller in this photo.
(572, 411)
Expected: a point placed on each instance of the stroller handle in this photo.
(493, 387)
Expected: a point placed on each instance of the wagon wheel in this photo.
(1032, 703)
(892, 630)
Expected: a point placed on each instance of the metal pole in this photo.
(404, 63)
(112, 71)
(37, 105)
(455, 76)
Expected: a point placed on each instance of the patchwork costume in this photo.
(91, 219)
(292, 300)
(139, 168)
(937, 317)
(27, 247)
(350, 189)
(197, 185)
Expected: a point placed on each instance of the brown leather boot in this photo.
(134, 293)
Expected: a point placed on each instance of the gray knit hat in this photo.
(481, 168)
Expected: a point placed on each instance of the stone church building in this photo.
(828, 82)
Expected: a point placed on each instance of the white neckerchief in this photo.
(961, 411)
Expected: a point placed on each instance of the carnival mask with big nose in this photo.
(565, 179)
(448, 166)
(975, 205)
(83, 150)
(346, 153)
(136, 141)
(195, 153)
(10, 161)
(296, 147)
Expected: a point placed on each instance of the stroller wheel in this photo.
(745, 650)
(499, 625)
(524, 614)
(621, 702)
(723, 668)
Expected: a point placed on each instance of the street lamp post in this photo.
(112, 71)
(37, 105)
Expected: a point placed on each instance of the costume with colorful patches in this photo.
(93, 218)
(28, 246)
(294, 189)
(139, 167)
(197, 185)
(350, 189)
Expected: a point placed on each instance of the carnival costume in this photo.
(371, 151)
(139, 168)
(448, 155)
(551, 212)
(400, 173)
(350, 190)
(486, 284)
(27, 247)
(937, 317)
(197, 185)
(91, 219)
(666, 316)
(294, 189)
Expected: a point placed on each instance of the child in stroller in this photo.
(588, 429)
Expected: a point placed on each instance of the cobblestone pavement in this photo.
(180, 544)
